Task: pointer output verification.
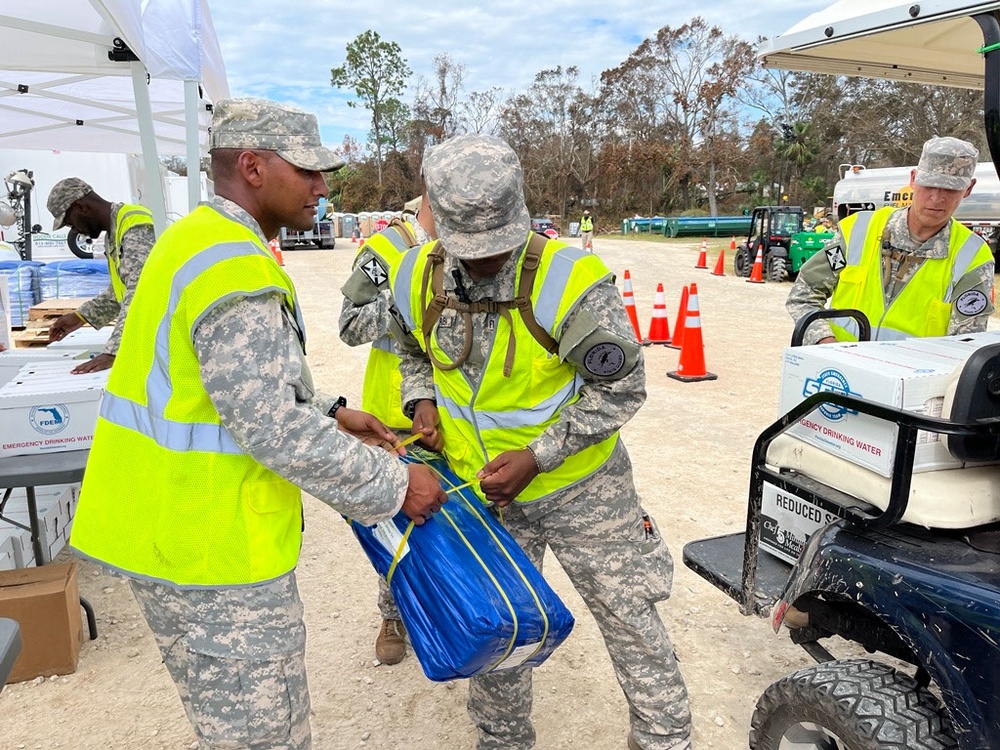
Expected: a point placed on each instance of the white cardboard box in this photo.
(89, 339)
(20, 541)
(52, 503)
(7, 561)
(45, 409)
(6, 339)
(900, 374)
(12, 360)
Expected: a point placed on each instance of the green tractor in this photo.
(777, 232)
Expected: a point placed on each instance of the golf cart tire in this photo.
(868, 705)
(777, 268)
(78, 244)
(742, 263)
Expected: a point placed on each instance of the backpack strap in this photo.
(404, 231)
(526, 284)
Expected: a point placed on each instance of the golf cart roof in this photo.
(933, 42)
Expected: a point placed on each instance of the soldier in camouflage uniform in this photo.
(607, 544)
(364, 319)
(922, 238)
(222, 601)
(74, 203)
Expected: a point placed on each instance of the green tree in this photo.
(377, 73)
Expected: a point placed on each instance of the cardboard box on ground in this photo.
(45, 602)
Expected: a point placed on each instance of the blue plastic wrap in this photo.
(469, 597)
(21, 278)
(74, 278)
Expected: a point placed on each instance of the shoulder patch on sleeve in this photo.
(375, 272)
(971, 302)
(835, 257)
(604, 359)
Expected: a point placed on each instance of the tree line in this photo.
(689, 123)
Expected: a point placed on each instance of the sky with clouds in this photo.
(285, 50)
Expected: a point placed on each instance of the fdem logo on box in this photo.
(49, 420)
(830, 381)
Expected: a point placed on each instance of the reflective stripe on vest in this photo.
(168, 494)
(923, 306)
(129, 216)
(482, 420)
(381, 393)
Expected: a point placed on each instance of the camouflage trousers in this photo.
(237, 657)
(386, 605)
(621, 569)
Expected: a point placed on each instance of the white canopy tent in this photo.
(69, 82)
(933, 42)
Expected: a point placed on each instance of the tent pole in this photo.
(193, 152)
(154, 200)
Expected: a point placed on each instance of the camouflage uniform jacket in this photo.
(817, 278)
(254, 369)
(604, 405)
(131, 257)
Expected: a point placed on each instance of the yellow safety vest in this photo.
(168, 494)
(129, 216)
(923, 307)
(586, 224)
(383, 381)
(507, 413)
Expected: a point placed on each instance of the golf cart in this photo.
(872, 572)
(776, 231)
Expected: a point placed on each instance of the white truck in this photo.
(861, 189)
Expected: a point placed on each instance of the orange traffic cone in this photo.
(361, 241)
(659, 329)
(757, 272)
(732, 244)
(691, 366)
(702, 259)
(275, 246)
(678, 339)
(629, 298)
(720, 264)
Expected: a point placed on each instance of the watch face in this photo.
(604, 360)
(971, 302)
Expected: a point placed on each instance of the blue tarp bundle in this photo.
(470, 598)
(21, 278)
(74, 278)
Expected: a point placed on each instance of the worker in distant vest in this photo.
(364, 319)
(520, 363)
(128, 238)
(211, 426)
(587, 231)
(913, 271)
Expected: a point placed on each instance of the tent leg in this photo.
(151, 163)
(191, 100)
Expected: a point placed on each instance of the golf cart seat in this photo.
(959, 498)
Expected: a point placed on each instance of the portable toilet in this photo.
(348, 223)
(365, 223)
(338, 223)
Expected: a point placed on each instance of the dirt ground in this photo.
(690, 444)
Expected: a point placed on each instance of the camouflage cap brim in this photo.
(487, 243)
(317, 159)
(938, 180)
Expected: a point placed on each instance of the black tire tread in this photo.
(882, 708)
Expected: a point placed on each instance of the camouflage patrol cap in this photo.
(475, 186)
(268, 126)
(411, 207)
(947, 163)
(63, 195)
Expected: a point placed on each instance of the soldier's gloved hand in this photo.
(367, 428)
(427, 420)
(98, 363)
(505, 476)
(424, 495)
(64, 325)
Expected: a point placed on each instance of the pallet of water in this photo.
(45, 409)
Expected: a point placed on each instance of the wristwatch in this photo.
(341, 401)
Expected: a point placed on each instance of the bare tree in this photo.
(480, 112)
(437, 101)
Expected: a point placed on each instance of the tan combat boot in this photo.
(390, 645)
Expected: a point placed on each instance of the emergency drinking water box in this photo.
(895, 373)
(87, 338)
(12, 360)
(45, 409)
